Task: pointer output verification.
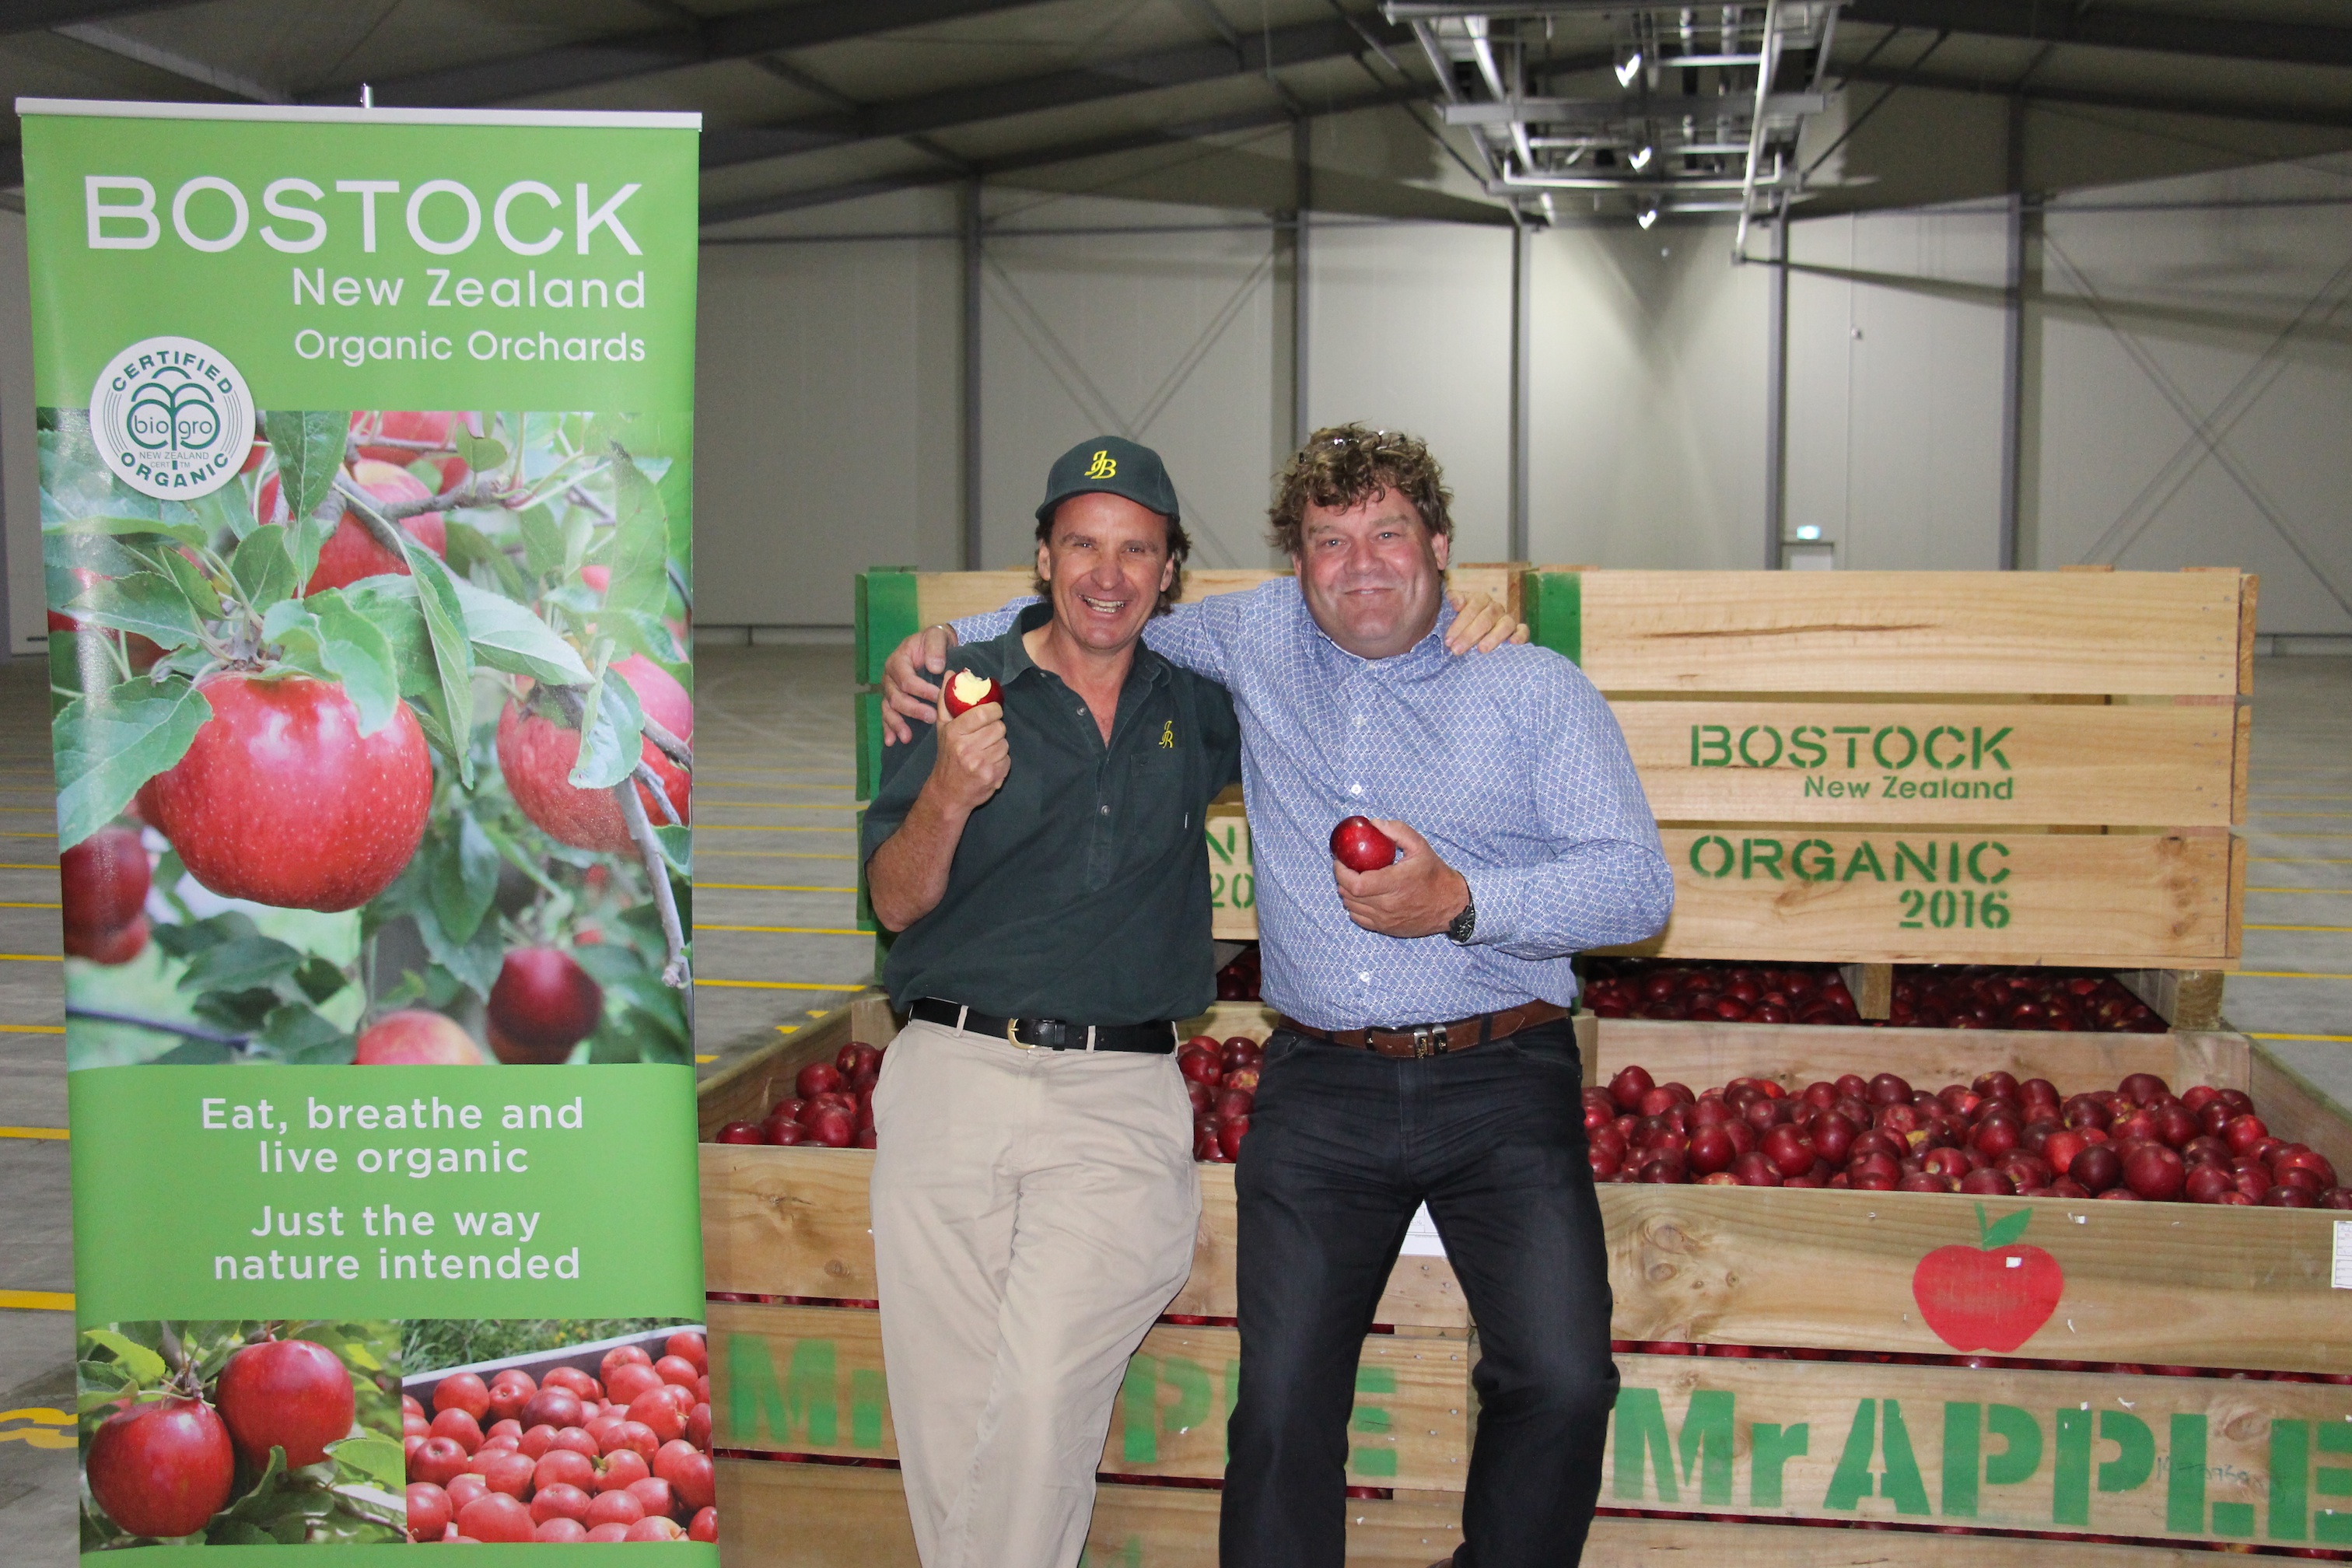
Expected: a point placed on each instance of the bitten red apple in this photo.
(1360, 847)
(966, 689)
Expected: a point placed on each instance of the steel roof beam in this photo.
(2270, 113)
(2116, 27)
(1184, 65)
(744, 34)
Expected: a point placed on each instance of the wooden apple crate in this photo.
(1872, 768)
(1699, 1443)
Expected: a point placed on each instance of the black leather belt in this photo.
(1436, 1039)
(1049, 1034)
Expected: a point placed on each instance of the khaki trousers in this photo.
(1034, 1211)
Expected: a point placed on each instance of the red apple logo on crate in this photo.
(966, 690)
(1994, 1295)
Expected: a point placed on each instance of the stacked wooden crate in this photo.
(1861, 768)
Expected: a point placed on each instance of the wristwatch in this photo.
(1465, 925)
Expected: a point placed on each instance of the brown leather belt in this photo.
(1436, 1039)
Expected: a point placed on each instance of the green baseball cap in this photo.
(1115, 466)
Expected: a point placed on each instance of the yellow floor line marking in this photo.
(795, 888)
(9, 904)
(838, 931)
(32, 1028)
(788, 1028)
(12, 833)
(786, 984)
(2333, 1039)
(32, 957)
(837, 805)
(2286, 975)
(764, 828)
(27, 865)
(37, 1300)
(704, 1061)
(708, 782)
(789, 855)
(2249, 928)
(57, 1132)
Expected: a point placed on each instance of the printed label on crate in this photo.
(367, 458)
(1857, 763)
(2340, 1277)
(2193, 1458)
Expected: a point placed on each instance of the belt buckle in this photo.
(1429, 1041)
(1013, 1036)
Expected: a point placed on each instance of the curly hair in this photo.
(1342, 466)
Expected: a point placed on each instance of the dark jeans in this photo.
(1343, 1144)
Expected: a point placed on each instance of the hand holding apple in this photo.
(967, 690)
(1418, 896)
(973, 762)
(906, 693)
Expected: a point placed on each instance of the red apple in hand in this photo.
(1360, 847)
(965, 690)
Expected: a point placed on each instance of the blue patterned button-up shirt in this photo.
(1509, 762)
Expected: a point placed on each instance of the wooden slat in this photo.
(2000, 633)
(809, 1380)
(792, 1222)
(2147, 765)
(1620, 1542)
(825, 1516)
(2179, 1284)
(1887, 1432)
(951, 595)
(1232, 871)
(2184, 999)
(2107, 901)
(2297, 1110)
(1705, 1056)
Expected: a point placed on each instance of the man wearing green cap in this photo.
(1041, 858)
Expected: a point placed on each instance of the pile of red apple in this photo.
(1926, 996)
(1996, 1137)
(1238, 980)
(1735, 994)
(102, 885)
(831, 1105)
(1221, 1077)
(569, 1458)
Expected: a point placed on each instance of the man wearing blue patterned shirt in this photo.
(1424, 1054)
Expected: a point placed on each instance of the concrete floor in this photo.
(775, 872)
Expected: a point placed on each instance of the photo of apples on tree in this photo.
(256, 1434)
(381, 753)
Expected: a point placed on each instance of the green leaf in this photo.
(110, 743)
(471, 551)
(2004, 1231)
(481, 453)
(264, 569)
(298, 1033)
(677, 847)
(638, 550)
(310, 448)
(465, 880)
(184, 530)
(390, 605)
(319, 978)
(186, 939)
(609, 751)
(326, 636)
(378, 1459)
(223, 512)
(195, 586)
(241, 964)
(453, 655)
(508, 636)
(62, 550)
(143, 1365)
(542, 541)
(154, 606)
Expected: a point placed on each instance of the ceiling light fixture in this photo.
(1640, 160)
(1648, 217)
(1631, 69)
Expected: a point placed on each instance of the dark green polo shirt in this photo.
(1081, 891)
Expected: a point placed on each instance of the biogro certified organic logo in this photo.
(172, 417)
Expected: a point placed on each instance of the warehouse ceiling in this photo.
(811, 104)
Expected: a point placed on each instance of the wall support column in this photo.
(1523, 257)
(1776, 397)
(2017, 418)
(1302, 176)
(969, 371)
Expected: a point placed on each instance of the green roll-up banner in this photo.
(366, 478)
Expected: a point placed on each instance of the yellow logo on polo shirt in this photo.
(1105, 467)
(1168, 736)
